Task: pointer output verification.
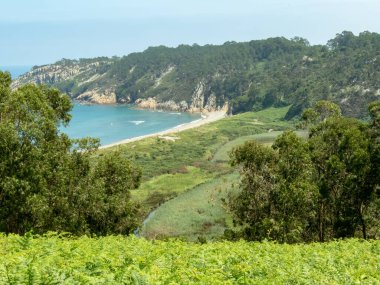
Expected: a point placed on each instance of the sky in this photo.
(44, 31)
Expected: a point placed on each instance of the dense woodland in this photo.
(316, 189)
(299, 190)
(250, 76)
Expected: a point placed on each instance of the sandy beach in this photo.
(206, 118)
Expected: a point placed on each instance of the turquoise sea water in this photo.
(112, 123)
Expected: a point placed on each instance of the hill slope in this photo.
(249, 76)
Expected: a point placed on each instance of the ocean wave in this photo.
(137, 122)
(175, 113)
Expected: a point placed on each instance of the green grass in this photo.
(200, 212)
(198, 156)
(222, 155)
(127, 260)
(197, 213)
(198, 146)
(161, 188)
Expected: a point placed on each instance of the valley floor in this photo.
(187, 178)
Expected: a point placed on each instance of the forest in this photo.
(287, 190)
(298, 190)
(251, 76)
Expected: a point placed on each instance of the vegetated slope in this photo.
(198, 214)
(249, 76)
(201, 213)
(197, 157)
(56, 259)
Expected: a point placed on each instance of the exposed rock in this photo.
(91, 79)
(306, 58)
(197, 100)
(183, 106)
(171, 106)
(162, 76)
(98, 97)
(61, 71)
(149, 103)
(132, 69)
(211, 103)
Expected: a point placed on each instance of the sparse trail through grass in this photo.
(197, 213)
(176, 172)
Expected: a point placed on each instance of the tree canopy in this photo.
(46, 179)
(322, 188)
(249, 75)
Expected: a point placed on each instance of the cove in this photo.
(113, 123)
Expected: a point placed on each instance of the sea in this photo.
(113, 123)
(16, 71)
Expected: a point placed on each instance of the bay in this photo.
(113, 123)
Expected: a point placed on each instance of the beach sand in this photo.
(208, 118)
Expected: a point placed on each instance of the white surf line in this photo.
(210, 117)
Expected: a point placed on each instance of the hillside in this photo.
(240, 76)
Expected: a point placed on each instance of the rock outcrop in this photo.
(98, 97)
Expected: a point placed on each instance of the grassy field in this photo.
(222, 154)
(191, 168)
(119, 260)
(198, 213)
(159, 189)
(197, 146)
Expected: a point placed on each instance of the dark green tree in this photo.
(46, 179)
(278, 196)
(322, 188)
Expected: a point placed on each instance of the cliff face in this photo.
(89, 82)
(197, 105)
(72, 77)
(243, 76)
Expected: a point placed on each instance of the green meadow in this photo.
(186, 181)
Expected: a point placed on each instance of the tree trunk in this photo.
(321, 226)
(364, 227)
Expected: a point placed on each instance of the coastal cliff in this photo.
(236, 76)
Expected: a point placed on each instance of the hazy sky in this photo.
(44, 31)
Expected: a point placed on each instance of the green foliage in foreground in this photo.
(46, 179)
(119, 260)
